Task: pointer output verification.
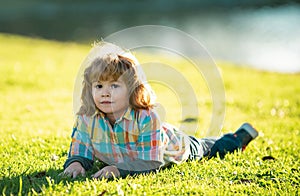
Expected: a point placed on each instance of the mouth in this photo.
(105, 102)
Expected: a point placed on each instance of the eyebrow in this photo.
(109, 81)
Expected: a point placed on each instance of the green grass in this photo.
(36, 86)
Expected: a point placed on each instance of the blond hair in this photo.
(114, 66)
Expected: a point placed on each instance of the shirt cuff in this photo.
(87, 164)
(124, 173)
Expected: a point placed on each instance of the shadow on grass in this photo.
(34, 182)
(37, 182)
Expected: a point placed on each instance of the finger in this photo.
(64, 174)
(61, 174)
(75, 173)
(97, 174)
(82, 172)
(67, 173)
(108, 174)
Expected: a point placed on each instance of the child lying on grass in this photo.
(117, 124)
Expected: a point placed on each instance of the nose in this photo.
(105, 92)
(105, 95)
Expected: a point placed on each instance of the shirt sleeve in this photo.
(86, 163)
(178, 144)
(137, 167)
(81, 145)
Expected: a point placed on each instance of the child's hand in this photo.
(74, 169)
(107, 172)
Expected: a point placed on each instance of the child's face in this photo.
(111, 97)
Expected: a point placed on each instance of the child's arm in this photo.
(133, 168)
(129, 168)
(85, 163)
(81, 150)
(138, 167)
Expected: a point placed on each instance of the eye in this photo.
(114, 86)
(97, 86)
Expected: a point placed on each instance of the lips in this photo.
(105, 102)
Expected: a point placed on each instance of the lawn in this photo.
(36, 117)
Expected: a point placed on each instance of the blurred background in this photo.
(264, 34)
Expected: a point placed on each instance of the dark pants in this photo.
(212, 147)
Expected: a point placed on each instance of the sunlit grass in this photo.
(36, 118)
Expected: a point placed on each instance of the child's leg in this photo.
(228, 143)
(233, 141)
(212, 146)
(200, 147)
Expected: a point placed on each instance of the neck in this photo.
(113, 117)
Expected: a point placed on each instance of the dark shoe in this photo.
(246, 133)
(233, 141)
(228, 143)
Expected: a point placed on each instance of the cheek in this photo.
(94, 99)
(94, 95)
(126, 95)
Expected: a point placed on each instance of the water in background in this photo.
(266, 38)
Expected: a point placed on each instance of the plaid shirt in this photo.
(138, 135)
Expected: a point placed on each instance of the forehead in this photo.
(112, 80)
